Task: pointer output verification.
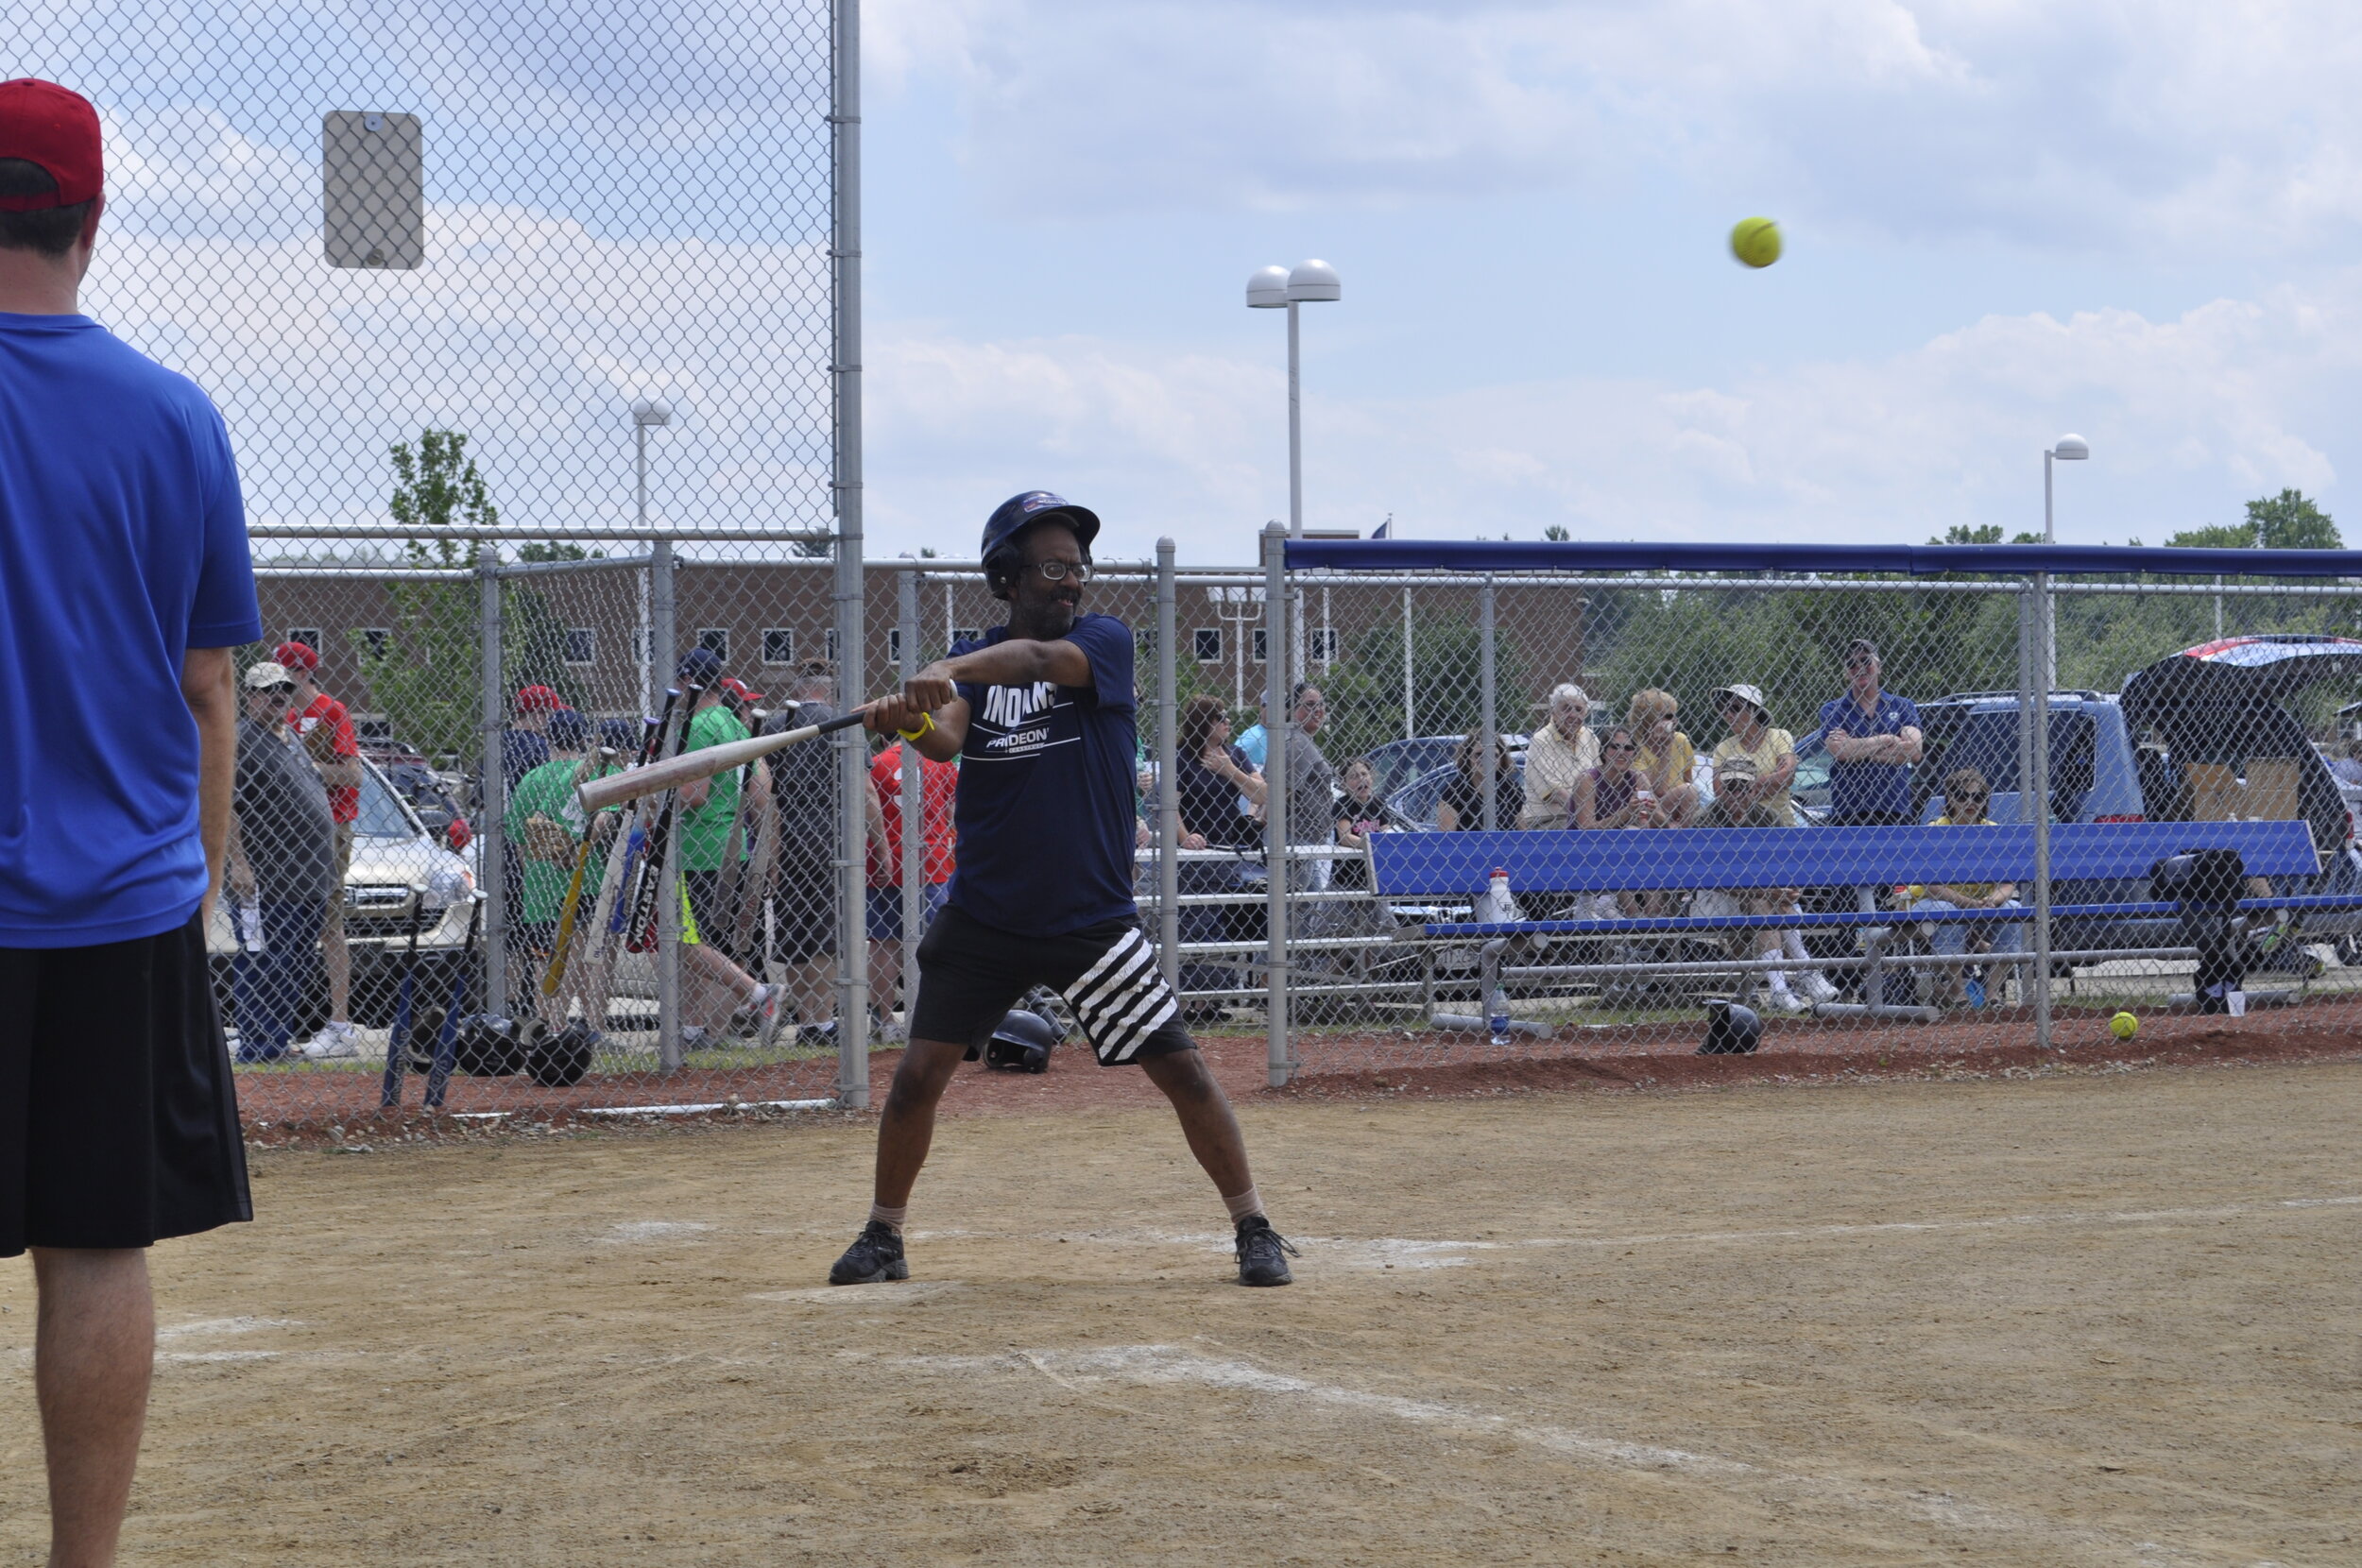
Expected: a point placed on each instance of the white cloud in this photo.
(2213, 124)
(2186, 417)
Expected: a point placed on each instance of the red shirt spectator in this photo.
(939, 783)
(324, 725)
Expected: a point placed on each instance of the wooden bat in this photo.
(557, 971)
(688, 767)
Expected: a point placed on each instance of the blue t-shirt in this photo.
(122, 546)
(1255, 745)
(1867, 788)
(1047, 799)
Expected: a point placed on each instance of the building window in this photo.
(376, 641)
(831, 644)
(582, 644)
(1261, 633)
(1324, 644)
(1208, 644)
(894, 645)
(778, 645)
(966, 634)
(310, 637)
(716, 641)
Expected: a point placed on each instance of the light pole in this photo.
(2069, 448)
(1271, 288)
(647, 413)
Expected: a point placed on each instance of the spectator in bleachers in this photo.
(1615, 794)
(1873, 737)
(802, 876)
(1562, 751)
(1210, 776)
(1965, 796)
(1752, 736)
(1741, 801)
(281, 865)
(1359, 813)
(1254, 742)
(1311, 785)
(1666, 758)
(1462, 805)
(544, 827)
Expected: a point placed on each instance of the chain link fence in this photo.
(1642, 719)
(1654, 728)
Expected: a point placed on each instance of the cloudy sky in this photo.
(2135, 220)
(2005, 220)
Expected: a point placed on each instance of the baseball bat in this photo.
(688, 767)
(643, 904)
(556, 973)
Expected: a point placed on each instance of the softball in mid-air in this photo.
(2124, 1026)
(1756, 242)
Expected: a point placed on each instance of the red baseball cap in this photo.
(295, 656)
(739, 689)
(536, 699)
(56, 128)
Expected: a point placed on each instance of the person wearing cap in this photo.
(1752, 736)
(281, 866)
(1873, 738)
(718, 987)
(119, 518)
(321, 722)
(526, 744)
(1560, 753)
(1042, 716)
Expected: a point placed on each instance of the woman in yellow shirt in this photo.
(1667, 761)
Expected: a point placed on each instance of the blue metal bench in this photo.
(1456, 866)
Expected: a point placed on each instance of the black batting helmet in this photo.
(1732, 1029)
(1022, 1043)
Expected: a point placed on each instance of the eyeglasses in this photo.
(1058, 571)
(1619, 745)
(1966, 799)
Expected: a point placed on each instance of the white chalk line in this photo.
(898, 1294)
(1361, 1253)
(628, 1230)
(1173, 1365)
(213, 1326)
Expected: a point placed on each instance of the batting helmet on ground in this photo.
(1021, 1044)
(1732, 1029)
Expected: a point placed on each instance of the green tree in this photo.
(426, 676)
(2288, 521)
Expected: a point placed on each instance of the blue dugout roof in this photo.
(1605, 557)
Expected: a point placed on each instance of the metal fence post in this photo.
(2046, 628)
(1277, 728)
(1487, 717)
(852, 1020)
(487, 561)
(913, 844)
(1410, 721)
(663, 652)
(1167, 787)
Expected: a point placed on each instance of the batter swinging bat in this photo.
(689, 766)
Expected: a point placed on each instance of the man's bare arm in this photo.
(207, 685)
(934, 691)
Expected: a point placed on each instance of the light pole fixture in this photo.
(2067, 448)
(1270, 288)
(645, 413)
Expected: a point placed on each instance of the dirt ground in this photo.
(2086, 1319)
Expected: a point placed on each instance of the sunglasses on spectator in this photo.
(1622, 746)
(1965, 798)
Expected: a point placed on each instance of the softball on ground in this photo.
(2124, 1026)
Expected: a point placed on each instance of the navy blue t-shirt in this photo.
(1869, 789)
(122, 547)
(1048, 800)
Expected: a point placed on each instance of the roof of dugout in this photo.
(1604, 557)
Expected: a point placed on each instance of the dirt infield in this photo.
(2086, 1319)
(306, 1101)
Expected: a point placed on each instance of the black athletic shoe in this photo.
(876, 1254)
(1263, 1252)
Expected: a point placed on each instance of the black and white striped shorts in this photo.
(970, 975)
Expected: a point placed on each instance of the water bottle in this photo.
(1498, 906)
(1497, 1015)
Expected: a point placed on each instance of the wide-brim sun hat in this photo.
(1751, 696)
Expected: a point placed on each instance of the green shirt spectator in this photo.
(545, 821)
(705, 827)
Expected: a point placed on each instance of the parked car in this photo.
(401, 869)
(1399, 763)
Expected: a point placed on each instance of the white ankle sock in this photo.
(885, 1215)
(1242, 1204)
(1792, 944)
(1777, 980)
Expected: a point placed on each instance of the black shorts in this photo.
(803, 912)
(118, 1114)
(717, 924)
(970, 975)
